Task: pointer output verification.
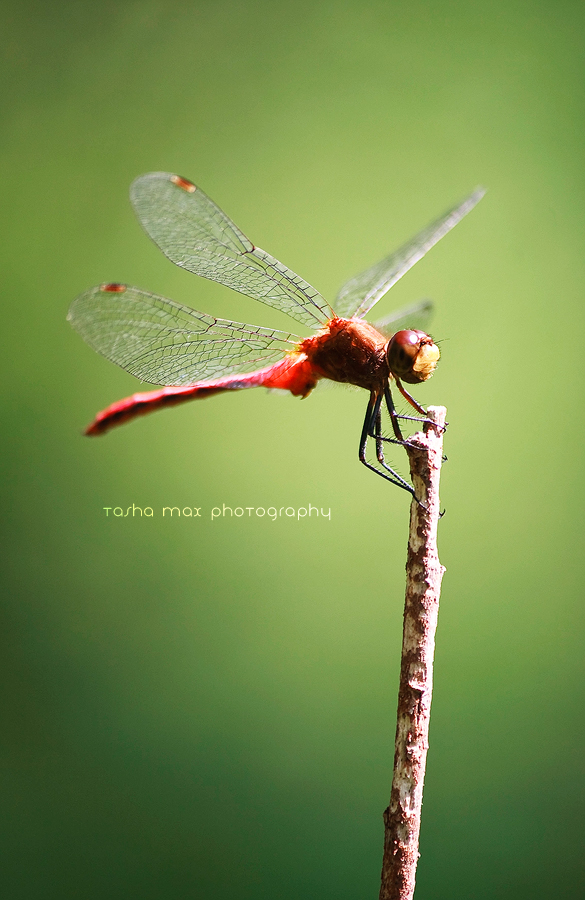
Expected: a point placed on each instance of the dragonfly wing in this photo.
(417, 315)
(163, 342)
(195, 234)
(360, 293)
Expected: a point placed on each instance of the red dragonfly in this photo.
(195, 355)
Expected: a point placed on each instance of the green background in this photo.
(206, 709)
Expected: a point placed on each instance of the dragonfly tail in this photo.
(142, 404)
(293, 373)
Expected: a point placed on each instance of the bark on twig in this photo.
(423, 585)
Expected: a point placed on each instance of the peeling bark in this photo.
(424, 573)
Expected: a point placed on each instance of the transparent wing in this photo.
(417, 315)
(360, 293)
(195, 234)
(162, 342)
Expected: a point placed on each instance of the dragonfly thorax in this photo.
(350, 351)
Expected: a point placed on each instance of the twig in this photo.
(423, 586)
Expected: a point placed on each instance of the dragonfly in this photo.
(193, 355)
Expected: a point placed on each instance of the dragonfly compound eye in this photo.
(412, 356)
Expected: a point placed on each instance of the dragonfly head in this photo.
(412, 356)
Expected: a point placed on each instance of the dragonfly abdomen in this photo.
(293, 373)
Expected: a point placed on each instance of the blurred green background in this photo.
(206, 709)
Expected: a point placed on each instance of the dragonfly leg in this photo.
(393, 415)
(380, 453)
(417, 406)
(413, 418)
(370, 421)
(420, 409)
(393, 418)
(399, 439)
